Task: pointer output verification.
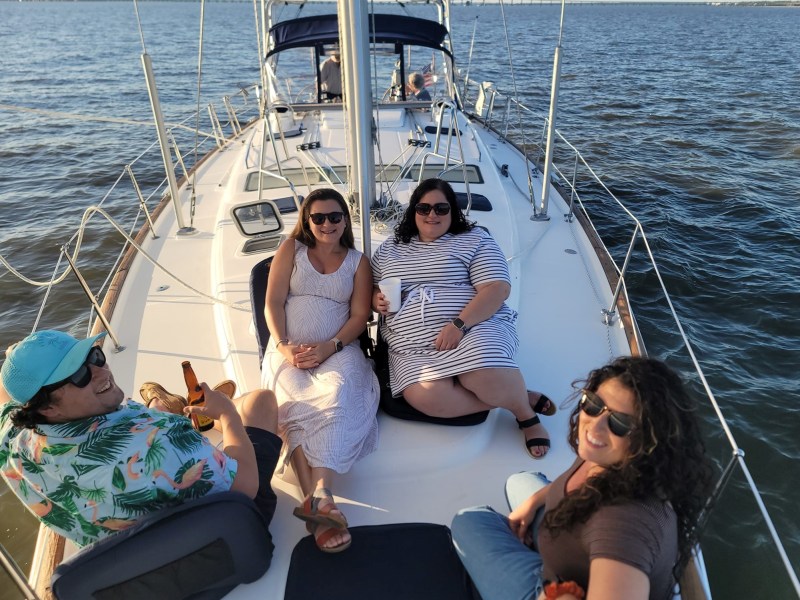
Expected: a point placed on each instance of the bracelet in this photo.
(553, 590)
(282, 341)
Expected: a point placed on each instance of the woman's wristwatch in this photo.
(459, 324)
(337, 343)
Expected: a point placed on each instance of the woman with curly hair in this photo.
(453, 339)
(621, 521)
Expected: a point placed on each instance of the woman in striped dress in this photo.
(453, 339)
(317, 305)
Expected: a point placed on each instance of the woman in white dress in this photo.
(317, 305)
(453, 339)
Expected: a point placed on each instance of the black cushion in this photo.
(259, 275)
(200, 550)
(479, 202)
(391, 562)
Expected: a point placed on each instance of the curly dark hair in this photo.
(28, 416)
(407, 227)
(666, 456)
(302, 231)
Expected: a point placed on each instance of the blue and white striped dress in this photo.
(330, 410)
(438, 280)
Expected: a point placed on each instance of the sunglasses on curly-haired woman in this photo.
(620, 424)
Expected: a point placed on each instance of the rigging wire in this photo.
(139, 25)
(519, 112)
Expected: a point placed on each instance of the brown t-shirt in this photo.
(642, 534)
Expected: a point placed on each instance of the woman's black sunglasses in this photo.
(441, 209)
(619, 423)
(333, 217)
(83, 375)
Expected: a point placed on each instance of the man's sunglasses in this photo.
(441, 209)
(83, 375)
(333, 217)
(619, 423)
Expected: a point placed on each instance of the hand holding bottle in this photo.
(216, 406)
(195, 397)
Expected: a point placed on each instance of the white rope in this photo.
(78, 117)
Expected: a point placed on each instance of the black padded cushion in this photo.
(258, 298)
(391, 562)
(201, 550)
(479, 202)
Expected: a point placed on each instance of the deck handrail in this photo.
(240, 97)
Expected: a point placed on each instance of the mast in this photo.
(354, 41)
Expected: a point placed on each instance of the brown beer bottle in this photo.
(195, 397)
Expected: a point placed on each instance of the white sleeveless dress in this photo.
(330, 410)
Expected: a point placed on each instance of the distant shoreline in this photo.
(478, 3)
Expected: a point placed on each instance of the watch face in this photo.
(458, 323)
(338, 345)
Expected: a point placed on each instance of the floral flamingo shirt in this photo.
(90, 478)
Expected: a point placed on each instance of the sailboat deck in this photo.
(420, 472)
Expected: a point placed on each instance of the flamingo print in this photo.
(131, 462)
(190, 477)
(41, 509)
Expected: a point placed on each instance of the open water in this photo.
(689, 112)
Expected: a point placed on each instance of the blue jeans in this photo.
(501, 567)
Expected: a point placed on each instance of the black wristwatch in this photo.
(460, 325)
(338, 344)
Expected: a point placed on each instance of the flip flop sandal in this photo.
(534, 441)
(311, 512)
(544, 406)
(325, 535)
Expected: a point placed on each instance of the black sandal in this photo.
(545, 406)
(534, 420)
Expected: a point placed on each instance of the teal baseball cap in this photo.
(40, 359)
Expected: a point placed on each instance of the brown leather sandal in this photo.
(169, 402)
(329, 515)
(322, 533)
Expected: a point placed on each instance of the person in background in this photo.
(416, 88)
(88, 463)
(330, 78)
(620, 523)
(453, 339)
(317, 306)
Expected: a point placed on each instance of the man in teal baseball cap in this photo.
(89, 463)
(46, 361)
